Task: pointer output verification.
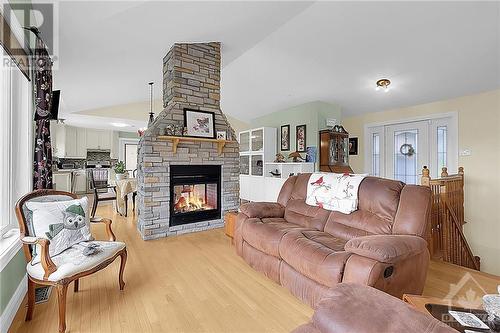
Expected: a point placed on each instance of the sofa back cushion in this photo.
(293, 196)
(377, 208)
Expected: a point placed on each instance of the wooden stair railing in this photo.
(447, 240)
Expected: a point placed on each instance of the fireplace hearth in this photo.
(195, 193)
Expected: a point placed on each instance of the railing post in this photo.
(444, 172)
(426, 178)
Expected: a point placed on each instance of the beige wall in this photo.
(479, 131)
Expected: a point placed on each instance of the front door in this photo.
(407, 150)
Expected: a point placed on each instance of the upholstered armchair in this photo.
(71, 264)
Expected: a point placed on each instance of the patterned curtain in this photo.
(42, 165)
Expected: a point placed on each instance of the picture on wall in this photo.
(300, 138)
(285, 137)
(353, 146)
(200, 124)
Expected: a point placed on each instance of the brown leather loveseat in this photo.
(309, 250)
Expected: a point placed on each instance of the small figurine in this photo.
(279, 158)
(275, 173)
(296, 156)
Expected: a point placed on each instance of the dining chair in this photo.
(60, 270)
(100, 185)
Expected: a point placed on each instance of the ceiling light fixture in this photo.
(151, 114)
(383, 84)
(120, 125)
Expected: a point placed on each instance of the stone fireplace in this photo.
(189, 188)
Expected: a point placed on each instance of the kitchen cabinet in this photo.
(68, 141)
(99, 139)
(62, 181)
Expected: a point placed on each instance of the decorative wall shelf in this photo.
(176, 139)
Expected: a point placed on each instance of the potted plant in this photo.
(120, 172)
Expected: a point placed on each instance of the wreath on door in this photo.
(407, 149)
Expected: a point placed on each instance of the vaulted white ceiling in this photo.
(280, 54)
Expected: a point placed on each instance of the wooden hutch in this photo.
(334, 150)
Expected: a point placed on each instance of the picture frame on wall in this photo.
(300, 138)
(285, 137)
(221, 135)
(199, 124)
(353, 146)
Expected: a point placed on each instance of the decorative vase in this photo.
(121, 176)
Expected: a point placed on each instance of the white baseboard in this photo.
(15, 302)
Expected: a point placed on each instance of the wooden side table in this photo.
(229, 223)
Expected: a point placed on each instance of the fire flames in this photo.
(190, 200)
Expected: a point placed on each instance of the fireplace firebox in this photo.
(195, 193)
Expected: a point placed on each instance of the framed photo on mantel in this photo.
(285, 137)
(199, 124)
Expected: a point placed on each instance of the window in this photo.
(441, 148)
(376, 154)
(16, 128)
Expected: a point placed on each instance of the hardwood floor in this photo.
(193, 283)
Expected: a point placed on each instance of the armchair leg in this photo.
(31, 300)
(76, 285)
(61, 300)
(123, 257)
(133, 200)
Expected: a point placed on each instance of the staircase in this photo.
(446, 239)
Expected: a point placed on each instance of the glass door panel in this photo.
(244, 165)
(257, 165)
(244, 141)
(407, 151)
(257, 138)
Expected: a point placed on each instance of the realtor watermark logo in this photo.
(34, 18)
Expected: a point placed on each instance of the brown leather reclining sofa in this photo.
(309, 250)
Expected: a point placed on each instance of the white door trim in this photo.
(452, 137)
(121, 146)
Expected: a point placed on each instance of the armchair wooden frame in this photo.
(48, 265)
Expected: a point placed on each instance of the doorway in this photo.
(128, 154)
(399, 150)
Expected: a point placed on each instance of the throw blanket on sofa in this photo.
(334, 191)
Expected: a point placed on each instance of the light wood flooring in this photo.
(194, 283)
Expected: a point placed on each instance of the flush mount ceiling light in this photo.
(383, 84)
(120, 125)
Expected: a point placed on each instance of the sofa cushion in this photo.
(265, 234)
(315, 254)
(378, 204)
(298, 212)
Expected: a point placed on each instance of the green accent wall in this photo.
(10, 277)
(313, 115)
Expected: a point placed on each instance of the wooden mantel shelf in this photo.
(176, 139)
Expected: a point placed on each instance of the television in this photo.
(54, 110)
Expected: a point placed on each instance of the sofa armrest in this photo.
(387, 248)
(262, 209)
(47, 264)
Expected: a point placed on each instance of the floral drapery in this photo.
(42, 164)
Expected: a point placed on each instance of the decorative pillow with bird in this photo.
(64, 223)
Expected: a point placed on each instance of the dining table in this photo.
(124, 187)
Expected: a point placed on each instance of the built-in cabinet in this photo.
(73, 142)
(257, 146)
